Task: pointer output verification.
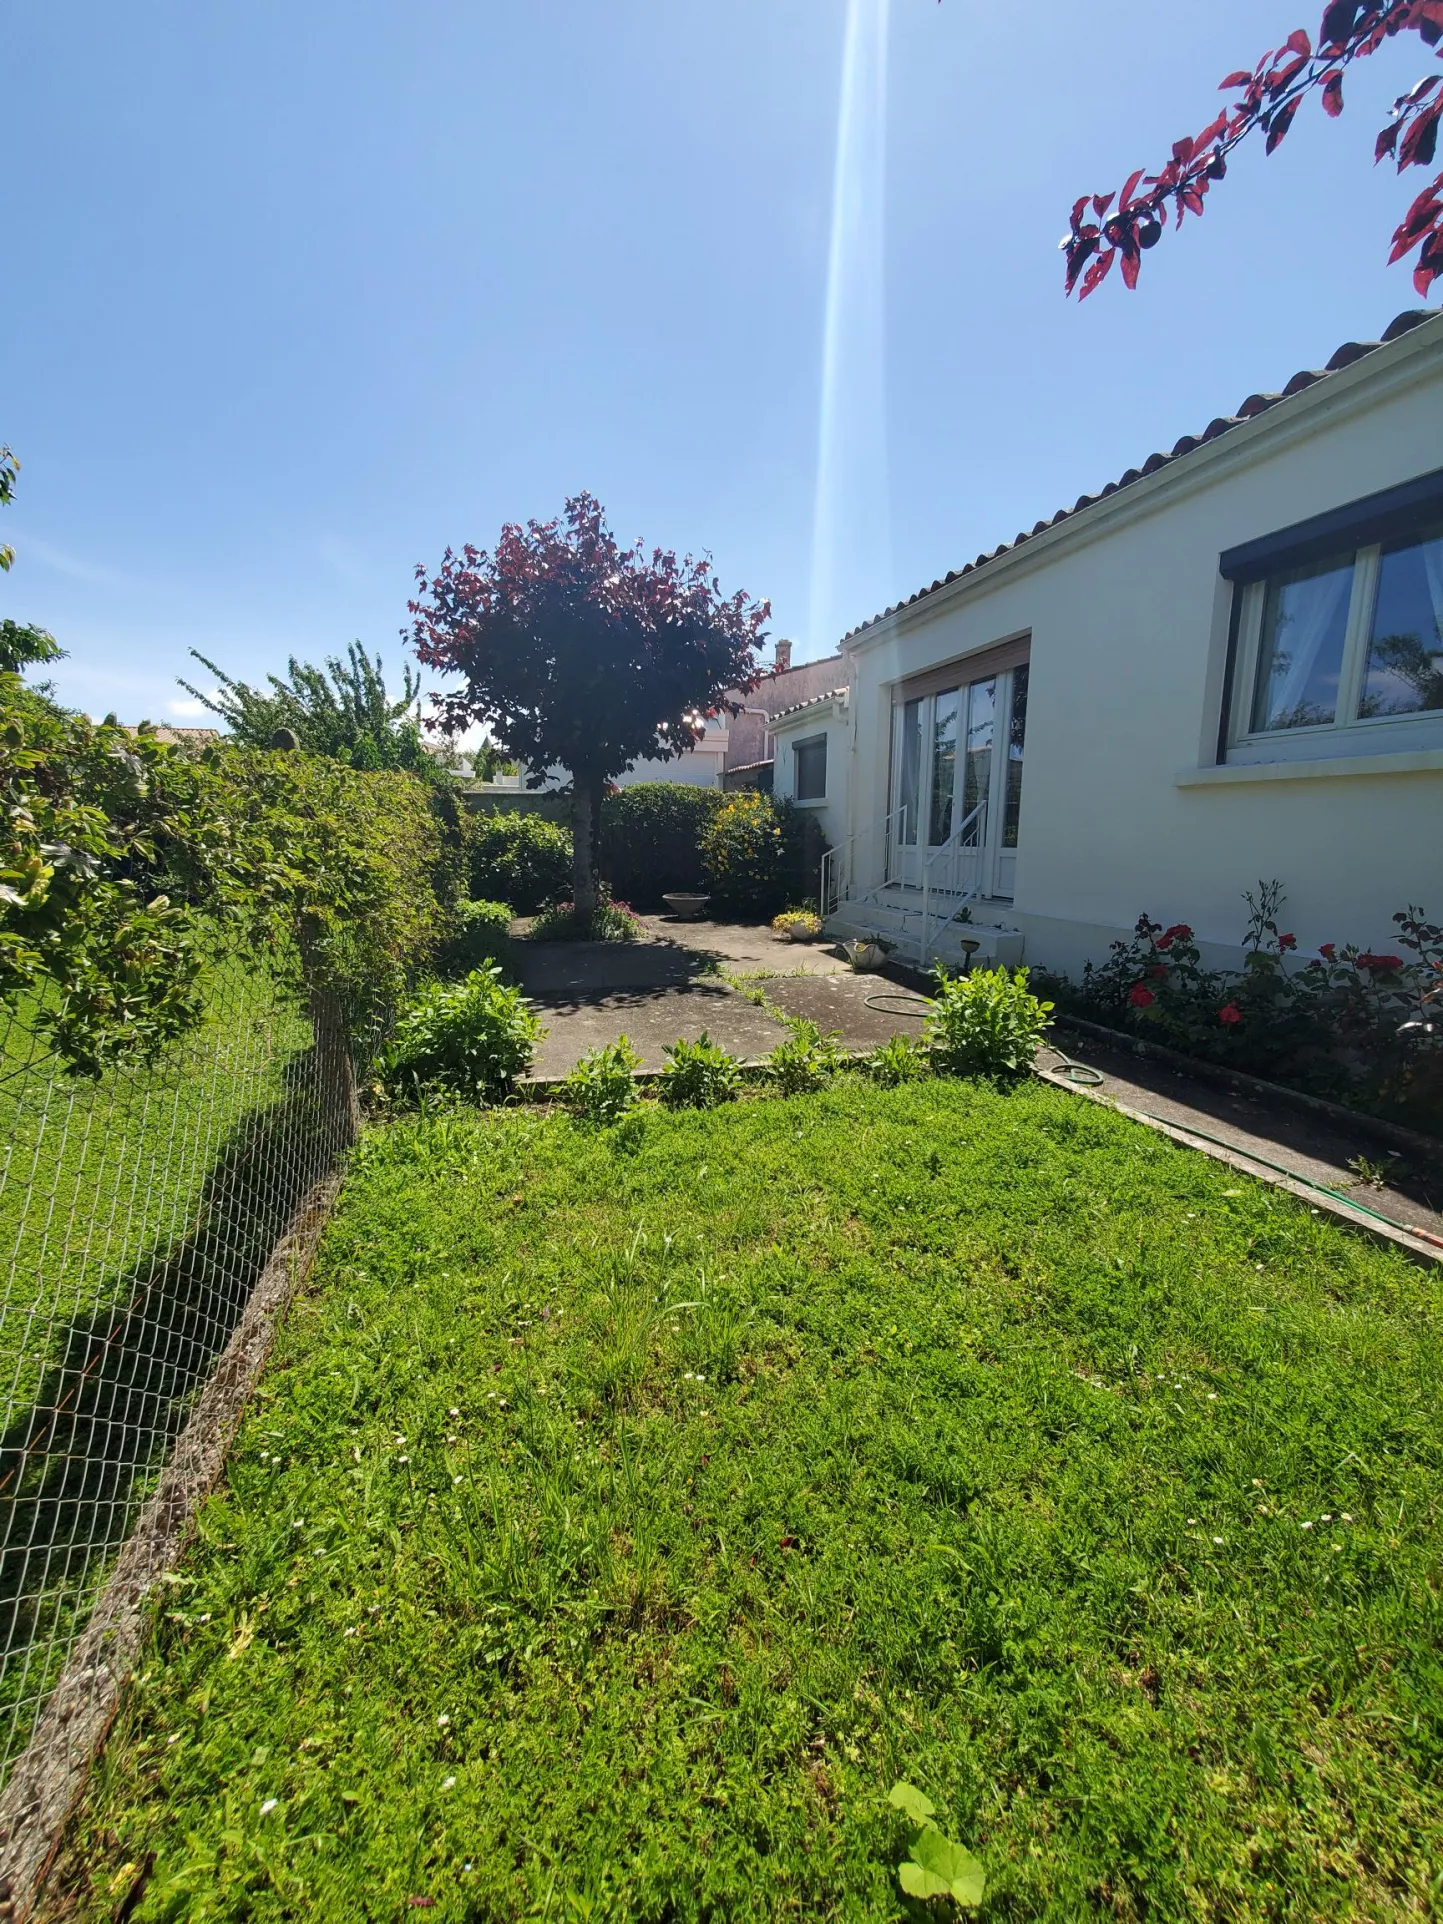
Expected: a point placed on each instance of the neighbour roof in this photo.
(816, 701)
(1255, 404)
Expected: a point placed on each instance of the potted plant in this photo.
(867, 953)
(797, 925)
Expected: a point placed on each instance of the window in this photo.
(1345, 642)
(810, 760)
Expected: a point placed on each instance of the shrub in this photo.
(475, 1037)
(483, 935)
(518, 858)
(797, 922)
(987, 1023)
(754, 855)
(1349, 1022)
(612, 922)
(699, 1075)
(806, 1061)
(600, 1089)
(902, 1059)
(651, 840)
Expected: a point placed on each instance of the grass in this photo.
(623, 1512)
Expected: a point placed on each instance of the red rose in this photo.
(1328, 951)
(1164, 941)
(1231, 1014)
(1287, 941)
(1141, 998)
(1179, 932)
(1379, 962)
(1157, 970)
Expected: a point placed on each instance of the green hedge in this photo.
(651, 840)
(520, 858)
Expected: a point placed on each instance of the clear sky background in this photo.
(296, 292)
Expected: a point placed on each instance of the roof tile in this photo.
(1255, 404)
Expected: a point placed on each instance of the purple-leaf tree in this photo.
(581, 654)
(1107, 228)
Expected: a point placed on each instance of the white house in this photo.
(1226, 667)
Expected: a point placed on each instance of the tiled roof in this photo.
(832, 694)
(1255, 404)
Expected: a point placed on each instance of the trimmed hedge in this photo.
(651, 840)
(520, 859)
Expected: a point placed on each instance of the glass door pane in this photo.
(1016, 732)
(910, 771)
(977, 778)
(946, 709)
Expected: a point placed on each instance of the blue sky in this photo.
(299, 291)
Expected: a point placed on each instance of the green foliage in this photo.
(22, 647)
(705, 1489)
(9, 472)
(601, 1088)
(125, 864)
(342, 711)
(698, 1075)
(936, 1867)
(611, 922)
(987, 1023)
(475, 1038)
(1349, 1022)
(483, 935)
(651, 840)
(902, 1058)
(798, 922)
(806, 1061)
(519, 858)
(754, 855)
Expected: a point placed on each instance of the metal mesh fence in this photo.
(136, 1214)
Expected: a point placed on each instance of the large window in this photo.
(1353, 640)
(811, 769)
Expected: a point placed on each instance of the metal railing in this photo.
(952, 877)
(867, 852)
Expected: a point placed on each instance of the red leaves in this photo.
(1279, 124)
(1271, 95)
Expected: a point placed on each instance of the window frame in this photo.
(1348, 732)
(808, 741)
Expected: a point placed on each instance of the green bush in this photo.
(699, 1075)
(806, 1061)
(755, 856)
(474, 1037)
(483, 935)
(987, 1023)
(518, 858)
(901, 1059)
(651, 839)
(601, 1088)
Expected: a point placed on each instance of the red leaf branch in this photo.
(1271, 93)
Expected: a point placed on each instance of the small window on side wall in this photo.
(1353, 641)
(810, 768)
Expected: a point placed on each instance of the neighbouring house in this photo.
(1226, 666)
(736, 750)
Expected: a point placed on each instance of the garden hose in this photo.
(914, 1006)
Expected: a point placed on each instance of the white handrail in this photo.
(949, 851)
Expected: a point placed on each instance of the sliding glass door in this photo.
(957, 782)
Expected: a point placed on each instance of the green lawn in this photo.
(622, 1514)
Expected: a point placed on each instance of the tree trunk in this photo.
(586, 792)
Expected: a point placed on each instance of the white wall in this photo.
(1128, 616)
(700, 767)
(831, 812)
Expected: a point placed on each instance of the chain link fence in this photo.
(137, 1213)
